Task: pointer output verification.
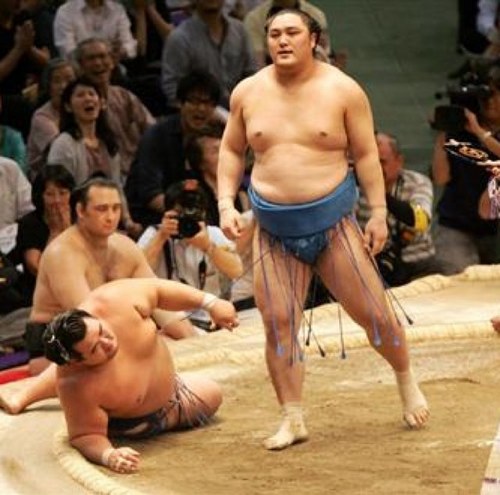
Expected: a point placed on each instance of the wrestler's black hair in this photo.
(62, 333)
(80, 193)
(51, 173)
(198, 81)
(311, 23)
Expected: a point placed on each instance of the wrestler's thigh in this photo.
(201, 397)
(348, 272)
(280, 280)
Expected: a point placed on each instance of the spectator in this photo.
(15, 193)
(211, 41)
(50, 195)
(184, 248)
(45, 120)
(160, 160)
(128, 117)
(21, 60)
(462, 237)
(12, 146)
(42, 17)
(86, 145)
(409, 251)
(255, 25)
(78, 20)
(202, 155)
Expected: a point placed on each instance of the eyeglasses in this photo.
(195, 101)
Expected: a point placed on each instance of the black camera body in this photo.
(189, 225)
(191, 208)
(468, 93)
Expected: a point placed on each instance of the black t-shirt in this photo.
(16, 81)
(458, 206)
(32, 233)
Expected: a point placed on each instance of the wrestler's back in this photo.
(297, 134)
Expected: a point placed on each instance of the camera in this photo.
(191, 209)
(188, 225)
(471, 90)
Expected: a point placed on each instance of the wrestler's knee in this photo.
(211, 395)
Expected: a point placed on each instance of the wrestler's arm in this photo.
(231, 165)
(173, 325)
(64, 270)
(87, 425)
(363, 146)
(134, 257)
(147, 294)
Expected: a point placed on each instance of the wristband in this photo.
(208, 301)
(106, 455)
(225, 203)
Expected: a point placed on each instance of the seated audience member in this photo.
(160, 160)
(128, 118)
(12, 146)
(78, 20)
(409, 252)
(15, 193)
(21, 60)
(93, 252)
(50, 195)
(115, 375)
(45, 120)
(462, 237)
(184, 248)
(42, 17)
(255, 25)
(211, 41)
(202, 155)
(86, 144)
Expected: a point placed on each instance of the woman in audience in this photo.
(50, 195)
(86, 145)
(45, 121)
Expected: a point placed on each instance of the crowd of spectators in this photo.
(138, 92)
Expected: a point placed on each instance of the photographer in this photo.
(462, 237)
(409, 251)
(185, 249)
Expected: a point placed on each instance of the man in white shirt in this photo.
(77, 20)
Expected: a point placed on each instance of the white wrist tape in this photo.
(208, 301)
(225, 203)
(106, 455)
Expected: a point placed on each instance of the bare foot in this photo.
(415, 409)
(10, 401)
(292, 429)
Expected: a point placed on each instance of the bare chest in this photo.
(299, 122)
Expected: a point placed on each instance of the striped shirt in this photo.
(415, 188)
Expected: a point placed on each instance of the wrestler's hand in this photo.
(121, 460)
(495, 321)
(224, 314)
(231, 223)
(375, 234)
